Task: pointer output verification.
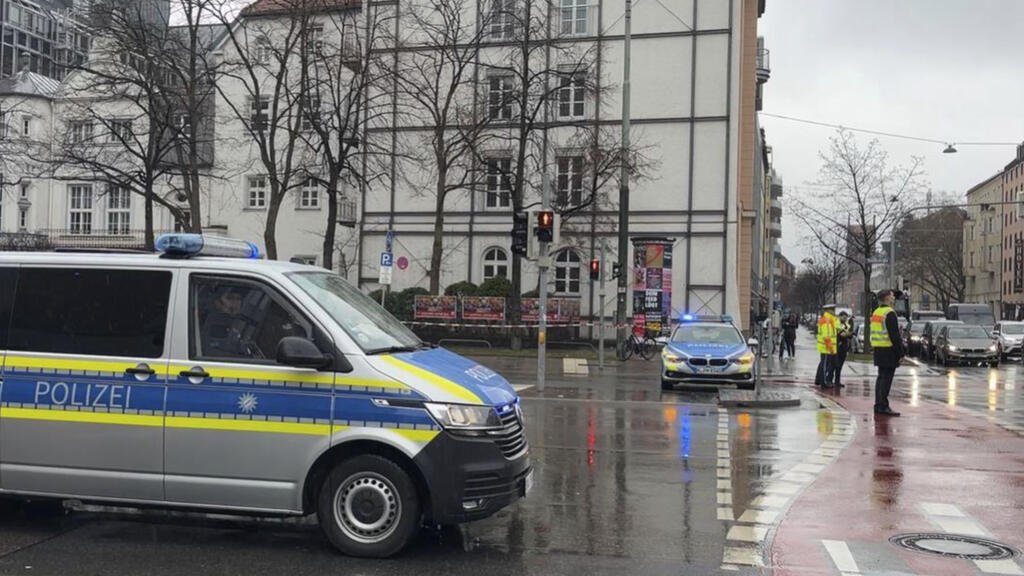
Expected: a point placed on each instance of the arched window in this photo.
(567, 272)
(495, 264)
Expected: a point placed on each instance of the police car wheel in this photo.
(368, 507)
(666, 384)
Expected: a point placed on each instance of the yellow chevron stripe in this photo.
(249, 426)
(52, 363)
(416, 435)
(88, 417)
(443, 383)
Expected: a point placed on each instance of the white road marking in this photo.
(724, 463)
(841, 556)
(747, 533)
(782, 488)
(959, 526)
(724, 484)
(744, 556)
(723, 453)
(809, 468)
(769, 501)
(1005, 566)
(521, 387)
(940, 509)
(725, 497)
(758, 516)
(725, 514)
(724, 472)
(798, 477)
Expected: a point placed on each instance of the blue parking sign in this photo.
(387, 259)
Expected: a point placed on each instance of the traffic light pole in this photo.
(543, 262)
(600, 315)
(620, 309)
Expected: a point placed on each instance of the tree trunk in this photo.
(867, 309)
(270, 232)
(332, 222)
(150, 240)
(438, 246)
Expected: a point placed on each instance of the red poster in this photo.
(435, 308)
(483, 308)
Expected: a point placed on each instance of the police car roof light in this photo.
(686, 318)
(188, 245)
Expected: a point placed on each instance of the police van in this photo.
(206, 378)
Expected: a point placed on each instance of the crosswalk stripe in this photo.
(841, 556)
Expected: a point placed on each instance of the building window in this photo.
(315, 38)
(257, 194)
(495, 264)
(26, 125)
(258, 109)
(80, 209)
(3, 123)
(972, 259)
(310, 112)
(81, 131)
(572, 95)
(502, 25)
(183, 123)
(573, 17)
(499, 185)
(120, 131)
(569, 181)
(309, 195)
(567, 272)
(24, 190)
(23, 218)
(263, 52)
(500, 97)
(118, 210)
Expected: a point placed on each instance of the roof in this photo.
(269, 7)
(976, 187)
(152, 260)
(29, 84)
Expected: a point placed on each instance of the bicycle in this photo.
(644, 347)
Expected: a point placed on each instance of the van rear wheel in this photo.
(368, 507)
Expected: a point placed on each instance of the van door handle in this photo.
(140, 369)
(194, 373)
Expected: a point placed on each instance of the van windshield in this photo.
(980, 318)
(370, 325)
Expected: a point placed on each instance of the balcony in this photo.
(347, 213)
(775, 229)
(776, 190)
(776, 209)
(763, 66)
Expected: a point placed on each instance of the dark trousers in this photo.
(840, 359)
(826, 367)
(882, 386)
(791, 345)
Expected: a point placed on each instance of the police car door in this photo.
(242, 428)
(84, 382)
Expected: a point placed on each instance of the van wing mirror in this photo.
(301, 353)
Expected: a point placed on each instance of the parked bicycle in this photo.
(645, 347)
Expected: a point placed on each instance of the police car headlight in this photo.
(672, 358)
(463, 416)
(744, 360)
(952, 348)
(915, 338)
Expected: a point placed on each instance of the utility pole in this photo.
(600, 316)
(620, 309)
(543, 262)
(771, 301)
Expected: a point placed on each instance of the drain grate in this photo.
(954, 546)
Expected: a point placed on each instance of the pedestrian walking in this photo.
(789, 335)
(844, 336)
(888, 349)
(826, 346)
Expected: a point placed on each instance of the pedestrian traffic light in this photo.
(595, 269)
(616, 270)
(520, 239)
(545, 226)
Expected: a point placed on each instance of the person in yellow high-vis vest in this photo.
(888, 349)
(827, 346)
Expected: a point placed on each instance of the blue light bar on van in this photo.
(185, 245)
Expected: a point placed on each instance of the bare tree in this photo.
(433, 69)
(930, 251)
(862, 201)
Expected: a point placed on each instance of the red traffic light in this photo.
(545, 226)
(595, 269)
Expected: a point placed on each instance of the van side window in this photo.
(8, 278)
(91, 311)
(233, 319)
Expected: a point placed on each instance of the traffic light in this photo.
(595, 269)
(520, 240)
(545, 226)
(616, 270)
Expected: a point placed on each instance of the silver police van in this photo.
(205, 378)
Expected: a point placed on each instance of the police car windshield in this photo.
(710, 333)
(372, 327)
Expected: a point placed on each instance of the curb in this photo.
(757, 399)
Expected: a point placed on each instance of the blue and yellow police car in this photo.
(707, 350)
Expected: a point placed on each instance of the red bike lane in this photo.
(936, 469)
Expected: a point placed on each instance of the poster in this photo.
(435, 308)
(652, 285)
(483, 308)
(560, 310)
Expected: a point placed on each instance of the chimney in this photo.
(24, 61)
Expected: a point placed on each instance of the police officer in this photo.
(844, 333)
(888, 349)
(826, 346)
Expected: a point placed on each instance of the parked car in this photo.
(977, 314)
(1010, 338)
(966, 343)
(931, 330)
(926, 315)
(914, 338)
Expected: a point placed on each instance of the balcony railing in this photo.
(764, 69)
(347, 212)
(96, 238)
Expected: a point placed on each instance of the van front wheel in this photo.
(368, 507)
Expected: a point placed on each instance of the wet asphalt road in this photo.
(629, 480)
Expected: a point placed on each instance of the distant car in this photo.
(978, 314)
(1010, 338)
(926, 315)
(931, 330)
(914, 338)
(958, 344)
(707, 350)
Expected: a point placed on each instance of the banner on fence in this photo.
(435, 308)
(560, 310)
(483, 308)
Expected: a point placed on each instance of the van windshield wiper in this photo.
(395, 349)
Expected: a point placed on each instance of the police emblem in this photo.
(247, 402)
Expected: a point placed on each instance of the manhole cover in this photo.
(954, 546)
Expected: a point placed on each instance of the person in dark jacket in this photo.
(888, 349)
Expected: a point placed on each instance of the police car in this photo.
(207, 378)
(707, 350)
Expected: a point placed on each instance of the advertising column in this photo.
(652, 286)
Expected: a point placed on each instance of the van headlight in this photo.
(463, 416)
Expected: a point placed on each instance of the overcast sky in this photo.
(945, 69)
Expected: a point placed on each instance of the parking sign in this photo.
(387, 259)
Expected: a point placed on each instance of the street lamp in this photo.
(949, 149)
